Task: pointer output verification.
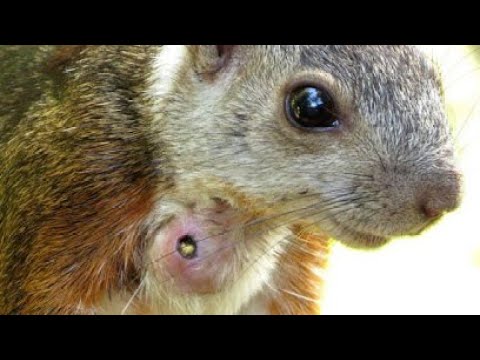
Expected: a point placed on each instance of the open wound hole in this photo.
(187, 247)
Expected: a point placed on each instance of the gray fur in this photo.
(394, 152)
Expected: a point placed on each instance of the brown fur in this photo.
(63, 56)
(307, 253)
(78, 185)
(87, 266)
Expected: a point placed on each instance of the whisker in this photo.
(466, 121)
(462, 59)
(134, 295)
(328, 207)
(454, 82)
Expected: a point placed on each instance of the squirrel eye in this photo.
(187, 247)
(311, 108)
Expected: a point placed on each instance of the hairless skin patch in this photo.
(194, 245)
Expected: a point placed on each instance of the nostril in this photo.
(439, 194)
(431, 212)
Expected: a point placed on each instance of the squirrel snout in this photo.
(441, 195)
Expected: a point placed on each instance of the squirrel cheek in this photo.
(188, 257)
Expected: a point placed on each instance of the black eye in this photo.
(312, 108)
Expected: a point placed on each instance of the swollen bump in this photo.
(196, 249)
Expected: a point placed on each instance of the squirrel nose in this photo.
(441, 196)
(432, 213)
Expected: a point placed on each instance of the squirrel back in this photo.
(72, 168)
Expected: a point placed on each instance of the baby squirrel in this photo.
(208, 179)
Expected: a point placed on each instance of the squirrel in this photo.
(209, 179)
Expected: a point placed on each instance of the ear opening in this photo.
(224, 50)
(211, 59)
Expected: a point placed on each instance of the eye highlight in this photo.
(312, 108)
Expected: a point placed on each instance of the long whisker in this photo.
(262, 220)
(462, 59)
(466, 121)
(233, 245)
(134, 295)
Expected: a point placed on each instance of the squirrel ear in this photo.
(209, 59)
(224, 50)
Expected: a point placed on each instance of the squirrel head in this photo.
(351, 141)
(357, 133)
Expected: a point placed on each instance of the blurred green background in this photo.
(438, 272)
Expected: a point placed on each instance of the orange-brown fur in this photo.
(82, 183)
(299, 286)
(101, 260)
